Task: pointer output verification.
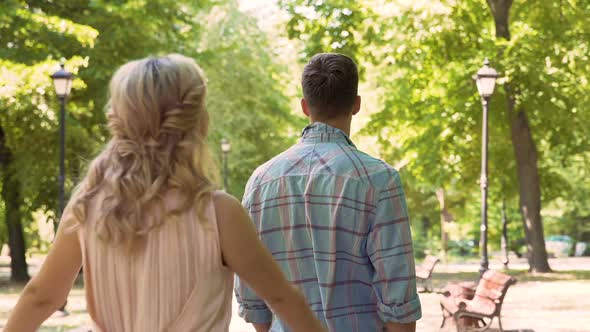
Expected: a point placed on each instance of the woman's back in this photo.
(174, 281)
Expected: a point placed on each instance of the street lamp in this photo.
(62, 81)
(486, 81)
(225, 148)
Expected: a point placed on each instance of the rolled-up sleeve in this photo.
(251, 308)
(389, 246)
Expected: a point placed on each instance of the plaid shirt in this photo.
(335, 220)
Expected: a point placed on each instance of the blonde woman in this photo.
(159, 245)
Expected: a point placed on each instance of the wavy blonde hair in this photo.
(158, 121)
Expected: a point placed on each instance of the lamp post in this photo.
(485, 80)
(62, 81)
(225, 148)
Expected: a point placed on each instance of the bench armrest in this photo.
(461, 304)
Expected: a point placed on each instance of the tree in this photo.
(32, 38)
(525, 152)
(571, 211)
(11, 197)
(245, 87)
(342, 25)
(247, 101)
(426, 55)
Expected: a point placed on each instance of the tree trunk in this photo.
(501, 12)
(526, 157)
(12, 203)
(530, 191)
(444, 234)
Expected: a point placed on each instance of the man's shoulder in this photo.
(345, 162)
(273, 168)
(375, 170)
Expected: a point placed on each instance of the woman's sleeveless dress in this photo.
(176, 282)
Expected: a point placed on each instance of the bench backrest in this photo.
(429, 263)
(493, 287)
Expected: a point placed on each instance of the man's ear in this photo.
(305, 108)
(356, 107)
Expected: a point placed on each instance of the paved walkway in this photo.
(552, 307)
(559, 305)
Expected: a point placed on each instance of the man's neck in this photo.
(342, 124)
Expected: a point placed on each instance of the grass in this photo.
(8, 288)
(441, 279)
(524, 276)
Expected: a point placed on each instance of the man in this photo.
(334, 218)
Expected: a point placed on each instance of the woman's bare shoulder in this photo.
(225, 204)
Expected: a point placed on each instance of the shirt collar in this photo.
(319, 132)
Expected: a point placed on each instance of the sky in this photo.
(266, 11)
(247, 5)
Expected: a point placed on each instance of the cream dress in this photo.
(176, 282)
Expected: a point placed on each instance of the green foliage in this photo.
(30, 122)
(246, 94)
(341, 26)
(571, 211)
(431, 113)
(246, 82)
(447, 47)
(424, 246)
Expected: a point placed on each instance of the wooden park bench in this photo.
(424, 272)
(476, 313)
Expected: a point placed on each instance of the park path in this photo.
(531, 306)
(552, 307)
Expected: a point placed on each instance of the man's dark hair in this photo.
(330, 85)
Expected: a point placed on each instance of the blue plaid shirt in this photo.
(336, 221)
